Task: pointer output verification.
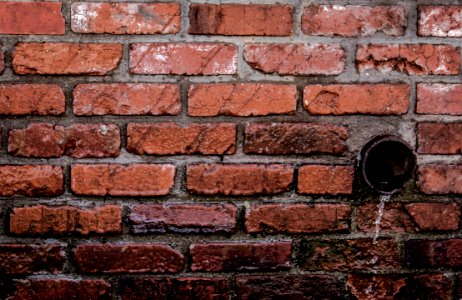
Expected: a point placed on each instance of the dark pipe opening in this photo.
(387, 163)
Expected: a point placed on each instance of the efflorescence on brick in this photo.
(208, 150)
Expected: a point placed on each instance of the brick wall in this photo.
(176, 150)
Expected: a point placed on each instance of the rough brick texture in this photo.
(183, 218)
(128, 258)
(126, 99)
(42, 219)
(183, 59)
(243, 179)
(440, 179)
(297, 218)
(434, 253)
(77, 140)
(120, 180)
(31, 18)
(236, 19)
(439, 98)
(442, 21)
(170, 138)
(31, 180)
(125, 18)
(31, 99)
(411, 59)
(229, 257)
(241, 100)
(66, 58)
(318, 179)
(374, 99)
(351, 21)
(296, 59)
(437, 138)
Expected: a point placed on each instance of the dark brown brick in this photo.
(434, 253)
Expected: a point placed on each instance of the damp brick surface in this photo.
(209, 149)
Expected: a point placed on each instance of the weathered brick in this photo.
(241, 99)
(128, 258)
(2, 58)
(347, 255)
(183, 58)
(31, 18)
(60, 289)
(439, 98)
(183, 218)
(229, 257)
(324, 179)
(414, 217)
(31, 99)
(289, 287)
(440, 179)
(434, 253)
(238, 179)
(42, 219)
(77, 140)
(295, 138)
(411, 59)
(31, 180)
(65, 58)
(174, 288)
(126, 99)
(298, 218)
(241, 19)
(31, 259)
(346, 99)
(171, 138)
(296, 59)
(442, 21)
(121, 180)
(400, 286)
(353, 20)
(125, 18)
(439, 138)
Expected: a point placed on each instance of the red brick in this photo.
(183, 58)
(183, 218)
(77, 140)
(439, 98)
(65, 58)
(439, 138)
(16, 259)
(296, 59)
(298, 218)
(125, 18)
(170, 138)
(295, 138)
(415, 217)
(442, 21)
(122, 180)
(296, 286)
(60, 289)
(31, 180)
(324, 179)
(346, 99)
(174, 288)
(440, 179)
(411, 59)
(238, 179)
(40, 219)
(353, 21)
(241, 19)
(31, 99)
(434, 253)
(241, 99)
(229, 257)
(126, 99)
(31, 18)
(400, 286)
(128, 258)
(347, 255)
(2, 58)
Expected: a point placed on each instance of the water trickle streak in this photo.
(381, 206)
